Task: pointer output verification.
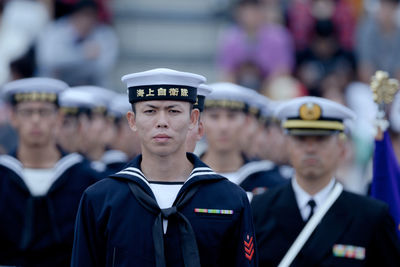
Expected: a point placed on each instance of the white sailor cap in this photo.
(100, 97)
(33, 89)
(227, 95)
(202, 92)
(119, 106)
(313, 116)
(73, 101)
(266, 108)
(162, 84)
(257, 103)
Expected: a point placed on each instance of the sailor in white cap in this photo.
(226, 117)
(75, 107)
(98, 133)
(124, 145)
(255, 103)
(268, 148)
(196, 133)
(312, 221)
(162, 209)
(224, 121)
(40, 185)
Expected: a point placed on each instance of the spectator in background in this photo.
(378, 42)
(24, 66)
(304, 14)
(253, 51)
(78, 49)
(21, 22)
(66, 7)
(325, 68)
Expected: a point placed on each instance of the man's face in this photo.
(275, 144)
(314, 157)
(35, 122)
(67, 135)
(223, 128)
(96, 134)
(125, 140)
(249, 135)
(162, 126)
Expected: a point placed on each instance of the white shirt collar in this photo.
(302, 197)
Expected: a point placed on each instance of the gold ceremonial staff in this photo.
(384, 90)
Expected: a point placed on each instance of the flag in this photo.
(386, 177)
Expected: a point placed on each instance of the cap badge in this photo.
(310, 111)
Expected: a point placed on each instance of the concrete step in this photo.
(169, 39)
(161, 9)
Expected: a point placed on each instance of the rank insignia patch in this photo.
(348, 251)
(249, 247)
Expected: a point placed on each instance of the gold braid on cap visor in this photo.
(328, 125)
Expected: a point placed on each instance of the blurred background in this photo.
(280, 48)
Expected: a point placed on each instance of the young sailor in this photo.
(40, 185)
(167, 208)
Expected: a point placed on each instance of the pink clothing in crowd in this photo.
(271, 50)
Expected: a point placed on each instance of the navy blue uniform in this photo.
(114, 161)
(114, 229)
(354, 223)
(38, 230)
(258, 176)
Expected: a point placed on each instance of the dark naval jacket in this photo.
(114, 227)
(39, 230)
(356, 231)
(260, 175)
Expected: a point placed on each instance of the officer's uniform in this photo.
(37, 222)
(124, 220)
(355, 231)
(253, 174)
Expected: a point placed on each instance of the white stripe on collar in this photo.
(253, 167)
(67, 162)
(114, 156)
(127, 172)
(59, 168)
(201, 169)
(133, 171)
(11, 163)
